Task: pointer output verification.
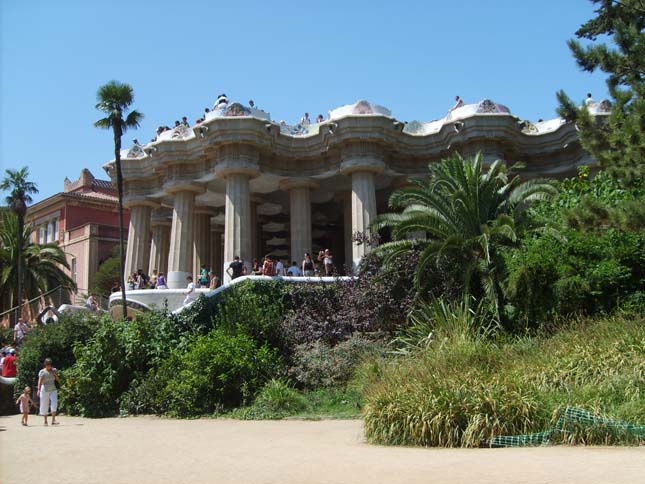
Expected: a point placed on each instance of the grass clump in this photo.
(465, 391)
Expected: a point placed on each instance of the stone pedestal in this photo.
(138, 249)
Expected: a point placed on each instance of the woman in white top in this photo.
(47, 391)
(328, 262)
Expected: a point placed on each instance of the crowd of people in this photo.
(323, 265)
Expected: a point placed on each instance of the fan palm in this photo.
(114, 99)
(42, 264)
(19, 196)
(466, 212)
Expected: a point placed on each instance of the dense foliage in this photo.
(466, 213)
(616, 142)
(465, 389)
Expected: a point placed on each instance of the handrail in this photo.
(34, 299)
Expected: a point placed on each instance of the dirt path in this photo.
(150, 450)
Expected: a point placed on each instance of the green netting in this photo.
(570, 420)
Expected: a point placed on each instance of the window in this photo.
(56, 235)
(50, 232)
(42, 234)
(73, 266)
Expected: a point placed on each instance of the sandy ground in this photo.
(152, 450)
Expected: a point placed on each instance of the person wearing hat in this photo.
(9, 364)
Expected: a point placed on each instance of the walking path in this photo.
(152, 450)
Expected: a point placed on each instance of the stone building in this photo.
(238, 183)
(83, 220)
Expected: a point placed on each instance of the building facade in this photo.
(84, 221)
(239, 184)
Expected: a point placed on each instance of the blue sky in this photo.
(290, 57)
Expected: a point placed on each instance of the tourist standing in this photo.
(308, 266)
(328, 263)
(214, 284)
(9, 364)
(294, 270)
(235, 268)
(305, 121)
(256, 268)
(25, 402)
(268, 269)
(20, 330)
(589, 101)
(47, 390)
(279, 267)
(204, 280)
(153, 278)
(161, 281)
(190, 293)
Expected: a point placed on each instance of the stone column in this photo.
(180, 258)
(237, 164)
(217, 255)
(254, 230)
(202, 241)
(347, 232)
(362, 161)
(300, 215)
(138, 249)
(160, 245)
(237, 227)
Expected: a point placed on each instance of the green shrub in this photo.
(276, 400)
(468, 391)
(217, 371)
(118, 353)
(55, 341)
(6, 336)
(319, 365)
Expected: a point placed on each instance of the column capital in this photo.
(205, 210)
(160, 222)
(361, 156)
(237, 159)
(182, 186)
(290, 183)
(140, 202)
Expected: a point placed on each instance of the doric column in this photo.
(202, 240)
(347, 231)
(362, 161)
(138, 249)
(237, 164)
(160, 245)
(180, 258)
(217, 254)
(300, 215)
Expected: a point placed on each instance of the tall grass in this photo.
(469, 389)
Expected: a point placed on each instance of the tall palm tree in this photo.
(42, 264)
(20, 195)
(466, 213)
(114, 99)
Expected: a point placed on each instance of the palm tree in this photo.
(114, 99)
(20, 195)
(467, 213)
(42, 264)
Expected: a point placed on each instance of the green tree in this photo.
(115, 99)
(108, 273)
(466, 213)
(617, 143)
(20, 189)
(41, 264)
